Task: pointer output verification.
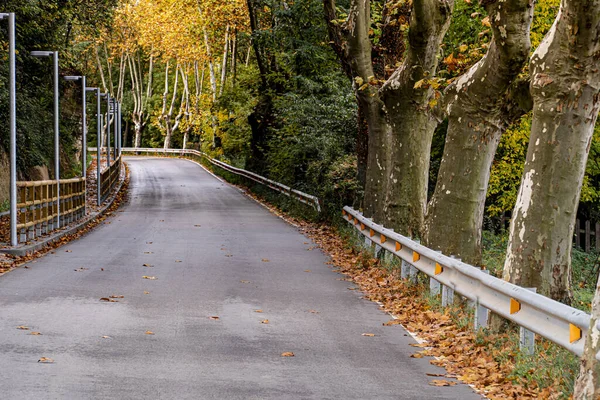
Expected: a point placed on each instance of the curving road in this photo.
(214, 253)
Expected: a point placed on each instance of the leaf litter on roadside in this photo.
(45, 360)
(152, 278)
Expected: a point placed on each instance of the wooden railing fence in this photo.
(109, 177)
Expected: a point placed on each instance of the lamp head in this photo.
(73, 78)
(42, 53)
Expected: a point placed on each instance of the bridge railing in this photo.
(41, 211)
(557, 322)
(302, 197)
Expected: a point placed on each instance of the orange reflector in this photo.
(355, 221)
(416, 256)
(398, 246)
(343, 212)
(438, 269)
(383, 239)
(575, 333)
(371, 233)
(515, 306)
(362, 227)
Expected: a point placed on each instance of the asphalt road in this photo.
(214, 253)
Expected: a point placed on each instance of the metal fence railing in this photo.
(302, 197)
(41, 210)
(109, 178)
(557, 322)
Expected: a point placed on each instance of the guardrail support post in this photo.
(434, 286)
(447, 294)
(412, 270)
(526, 337)
(481, 313)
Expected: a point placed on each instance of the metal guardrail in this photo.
(557, 322)
(38, 205)
(302, 197)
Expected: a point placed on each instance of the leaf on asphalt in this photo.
(101, 269)
(368, 334)
(46, 360)
(178, 261)
(149, 242)
(392, 322)
(149, 333)
(264, 321)
(68, 251)
(430, 374)
(36, 333)
(23, 328)
(313, 311)
(265, 260)
(148, 252)
(223, 248)
(258, 311)
(198, 226)
(26, 266)
(228, 255)
(148, 265)
(107, 299)
(416, 355)
(214, 317)
(152, 278)
(287, 354)
(307, 270)
(106, 337)
(244, 281)
(116, 296)
(441, 382)
(80, 269)
(146, 292)
(352, 288)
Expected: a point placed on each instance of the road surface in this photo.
(214, 253)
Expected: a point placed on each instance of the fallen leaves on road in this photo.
(68, 251)
(23, 328)
(36, 333)
(198, 226)
(287, 354)
(152, 278)
(45, 360)
(108, 300)
(177, 261)
(214, 318)
(148, 265)
(106, 337)
(265, 260)
(116, 296)
(80, 269)
(368, 334)
(148, 252)
(441, 382)
(258, 311)
(146, 292)
(244, 281)
(264, 321)
(313, 311)
(149, 333)
(307, 270)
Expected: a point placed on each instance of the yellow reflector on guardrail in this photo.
(355, 221)
(343, 212)
(383, 239)
(362, 227)
(398, 246)
(575, 333)
(416, 256)
(371, 233)
(515, 306)
(438, 269)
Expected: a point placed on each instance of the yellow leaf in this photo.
(46, 360)
(258, 311)
(264, 321)
(152, 278)
(36, 333)
(359, 81)
(441, 382)
(463, 48)
(368, 334)
(23, 328)
(149, 333)
(418, 84)
(486, 22)
(148, 265)
(287, 354)
(214, 317)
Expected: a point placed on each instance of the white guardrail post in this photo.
(557, 322)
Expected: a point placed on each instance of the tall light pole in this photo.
(98, 145)
(108, 101)
(83, 120)
(116, 121)
(12, 79)
(54, 55)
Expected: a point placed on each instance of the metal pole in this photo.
(116, 121)
(120, 131)
(108, 129)
(13, 128)
(84, 122)
(98, 144)
(56, 139)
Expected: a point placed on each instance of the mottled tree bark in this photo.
(587, 385)
(475, 105)
(412, 124)
(565, 86)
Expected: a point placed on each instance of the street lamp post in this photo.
(13, 124)
(108, 101)
(54, 55)
(116, 121)
(98, 145)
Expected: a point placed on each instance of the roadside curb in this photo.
(47, 241)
